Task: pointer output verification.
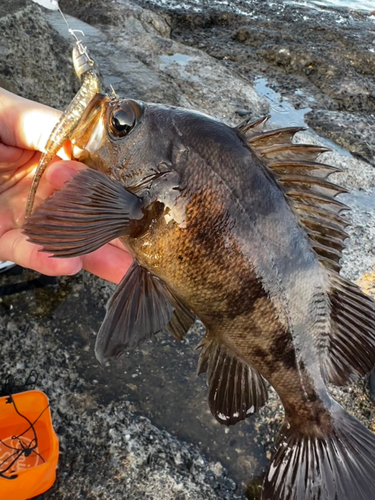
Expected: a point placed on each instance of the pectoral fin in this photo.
(141, 306)
(236, 389)
(88, 212)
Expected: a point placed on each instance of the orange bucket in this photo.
(31, 465)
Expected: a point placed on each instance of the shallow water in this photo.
(284, 114)
(362, 5)
(243, 6)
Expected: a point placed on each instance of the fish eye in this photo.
(122, 120)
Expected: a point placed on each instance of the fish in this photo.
(239, 227)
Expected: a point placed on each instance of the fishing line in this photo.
(81, 48)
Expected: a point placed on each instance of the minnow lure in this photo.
(88, 73)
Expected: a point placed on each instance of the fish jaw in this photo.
(90, 132)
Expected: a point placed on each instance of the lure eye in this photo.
(122, 120)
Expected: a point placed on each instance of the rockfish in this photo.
(240, 228)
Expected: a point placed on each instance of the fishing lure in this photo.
(88, 73)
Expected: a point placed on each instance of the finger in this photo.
(15, 247)
(25, 124)
(12, 157)
(61, 172)
(15, 190)
(108, 262)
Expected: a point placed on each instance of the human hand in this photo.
(24, 129)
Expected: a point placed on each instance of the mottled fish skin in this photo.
(220, 234)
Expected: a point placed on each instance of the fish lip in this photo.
(89, 133)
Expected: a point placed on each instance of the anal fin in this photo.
(237, 390)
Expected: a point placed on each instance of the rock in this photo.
(353, 131)
(107, 450)
(328, 54)
(155, 68)
(35, 61)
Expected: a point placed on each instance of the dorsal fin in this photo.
(251, 127)
(351, 350)
(303, 181)
(314, 169)
(271, 137)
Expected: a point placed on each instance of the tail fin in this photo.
(340, 466)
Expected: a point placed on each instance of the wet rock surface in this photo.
(34, 61)
(353, 131)
(323, 57)
(109, 449)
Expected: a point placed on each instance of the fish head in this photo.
(138, 145)
(130, 141)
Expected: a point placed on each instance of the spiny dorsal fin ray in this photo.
(324, 226)
(251, 127)
(311, 185)
(326, 202)
(351, 350)
(300, 152)
(314, 169)
(315, 211)
(274, 137)
(325, 251)
(236, 390)
(326, 240)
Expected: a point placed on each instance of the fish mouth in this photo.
(91, 129)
